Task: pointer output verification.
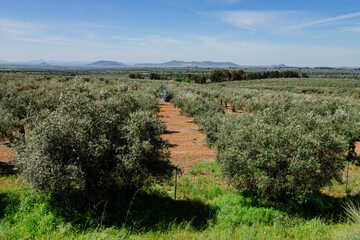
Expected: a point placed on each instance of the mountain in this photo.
(279, 66)
(65, 63)
(33, 62)
(106, 64)
(175, 63)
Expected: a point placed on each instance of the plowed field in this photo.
(187, 143)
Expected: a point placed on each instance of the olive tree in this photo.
(95, 145)
(8, 123)
(279, 156)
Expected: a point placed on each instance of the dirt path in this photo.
(187, 143)
(228, 109)
(7, 156)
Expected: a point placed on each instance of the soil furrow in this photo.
(187, 143)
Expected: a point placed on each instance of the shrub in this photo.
(139, 76)
(177, 79)
(95, 145)
(305, 75)
(155, 76)
(238, 75)
(7, 124)
(219, 76)
(279, 156)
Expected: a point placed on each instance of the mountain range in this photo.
(107, 64)
(40, 63)
(175, 63)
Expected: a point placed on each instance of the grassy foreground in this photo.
(206, 208)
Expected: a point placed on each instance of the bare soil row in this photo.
(187, 143)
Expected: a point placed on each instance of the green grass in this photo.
(207, 208)
(339, 189)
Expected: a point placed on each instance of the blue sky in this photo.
(247, 32)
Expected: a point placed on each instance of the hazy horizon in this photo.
(251, 33)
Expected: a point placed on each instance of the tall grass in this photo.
(207, 208)
(352, 230)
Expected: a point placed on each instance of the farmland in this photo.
(84, 155)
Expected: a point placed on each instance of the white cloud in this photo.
(84, 45)
(202, 47)
(75, 35)
(325, 20)
(279, 21)
(6, 23)
(351, 29)
(259, 20)
(11, 28)
(269, 53)
(153, 40)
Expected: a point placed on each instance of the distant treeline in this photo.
(221, 75)
(236, 75)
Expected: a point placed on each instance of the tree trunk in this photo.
(22, 130)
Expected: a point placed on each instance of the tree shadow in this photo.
(318, 205)
(7, 168)
(8, 202)
(170, 132)
(152, 212)
(139, 212)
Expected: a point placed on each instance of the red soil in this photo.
(228, 109)
(357, 148)
(6, 154)
(187, 143)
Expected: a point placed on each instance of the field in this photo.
(93, 156)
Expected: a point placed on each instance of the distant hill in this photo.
(280, 66)
(106, 64)
(33, 62)
(175, 63)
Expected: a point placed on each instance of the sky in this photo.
(247, 32)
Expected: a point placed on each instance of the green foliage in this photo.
(194, 105)
(352, 231)
(219, 76)
(177, 79)
(8, 123)
(238, 75)
(295, 127)
(139, 76)
(235, 75)
(272, 74)
(238, 210)
(151, 213)
(284, 159)
(155, 75)
(286, 148)
(131, 75)
(136, 75)
(305, 75)
(196, 78)
(94, 145)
